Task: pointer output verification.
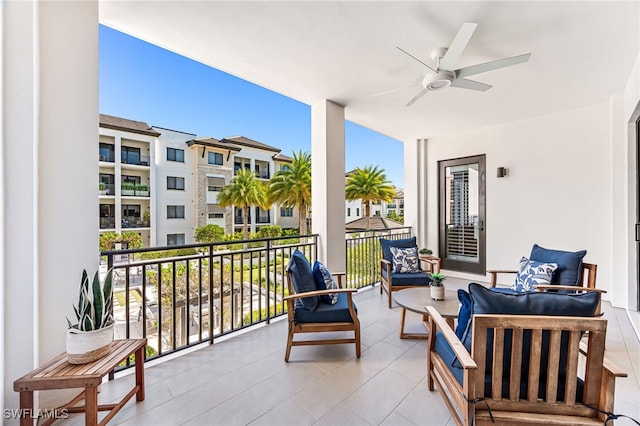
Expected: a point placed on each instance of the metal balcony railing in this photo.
(178, 297)
(364, 253)
(107, 223)
(181, 296)
(134, 222)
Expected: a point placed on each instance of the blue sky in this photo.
(143, 82)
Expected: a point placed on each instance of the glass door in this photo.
(462, 214)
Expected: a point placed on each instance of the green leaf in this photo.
(98, 301)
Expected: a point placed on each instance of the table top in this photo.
(58, 373)
(415, 300)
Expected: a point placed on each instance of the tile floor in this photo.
(244, 380)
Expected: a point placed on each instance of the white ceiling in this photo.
(582, 53)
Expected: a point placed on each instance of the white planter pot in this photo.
(88, 346)
(437, 293)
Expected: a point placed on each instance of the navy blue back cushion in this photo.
(464, 315)
(569, 263)
(485, 301)
(403, 243)
(302, 279)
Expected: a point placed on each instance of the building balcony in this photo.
(134, 222)
(263, 219)
(142, 160)
(107, 223)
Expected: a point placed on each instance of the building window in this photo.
(129, 155)
(107, 152)
(377, 213)
(348, 211)
(215, 158)
(131, 210)
(357, 211)
(175, 212)
(130, 179)
(215, 184)
(286, 211)
(175, 239)
(285, 167)
(216, 215)
(174, 154)
(174, 182)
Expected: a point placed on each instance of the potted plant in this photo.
(437, 287)
(102, 188)
(141, 190)
(425, 251)
(90, 337)
(128, 188)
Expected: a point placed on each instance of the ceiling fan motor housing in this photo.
(438, 81)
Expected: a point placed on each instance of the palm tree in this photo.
(291, 187)
(369, 185)
(245, 190)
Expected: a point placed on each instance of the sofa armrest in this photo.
(437, 323)
(493, 275)
(544, 287)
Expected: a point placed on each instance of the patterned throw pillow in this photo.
(532, 273)
(324, 280)
(405, 260)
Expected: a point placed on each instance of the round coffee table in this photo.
(415, 300)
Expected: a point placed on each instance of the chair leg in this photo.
(357, 332)
(389, 293)
(289, 344)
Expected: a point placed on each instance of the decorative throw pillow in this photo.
(405, 260)
(325, 281)
(302, 279)
(569, 263)
(532, 273)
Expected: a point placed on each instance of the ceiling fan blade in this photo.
(415, 59)
(463, 83)
(397, 89)
(416, 97)
(489, 66)
(450, 59)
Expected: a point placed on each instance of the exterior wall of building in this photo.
(207, 195)
(122, 208)
(164, 225)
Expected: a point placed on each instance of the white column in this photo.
(415, 190)
(327, 188)
(49, 175)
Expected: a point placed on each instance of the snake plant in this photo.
(94, 303)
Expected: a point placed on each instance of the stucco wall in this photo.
(558, 190)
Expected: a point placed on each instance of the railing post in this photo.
(268, 280)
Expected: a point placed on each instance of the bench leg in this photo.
(91, 406)
(139, 359)
(26, 408)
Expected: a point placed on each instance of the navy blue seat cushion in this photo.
(403, 243)
(324, 281)
(569, 263)
(442, 348)
(410, 278)
(326, 312)
(464, 315)
(302, 279)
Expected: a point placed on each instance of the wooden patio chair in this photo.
(324, 317)
(390, 280)
(523, 369)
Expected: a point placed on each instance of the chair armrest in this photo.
(610, 367)
(319, 293)
(436, 322)
(493, 275)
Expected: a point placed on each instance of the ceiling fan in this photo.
(444, 74)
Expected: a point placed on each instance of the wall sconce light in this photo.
(502, 172)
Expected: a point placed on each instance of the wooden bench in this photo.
(59, 374)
